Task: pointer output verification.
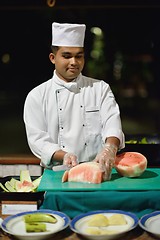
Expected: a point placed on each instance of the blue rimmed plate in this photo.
(151, 223)
(14, 225)
(79, 225)
(1, 220)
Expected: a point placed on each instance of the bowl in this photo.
(79, 225)
(15, 225)
(150, 223)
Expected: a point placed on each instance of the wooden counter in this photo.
(136, 234)
(19, 159)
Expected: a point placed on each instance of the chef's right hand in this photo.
(106, 159)
(70, 160)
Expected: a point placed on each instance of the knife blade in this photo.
(60, 168)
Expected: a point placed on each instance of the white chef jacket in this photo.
(74, 116)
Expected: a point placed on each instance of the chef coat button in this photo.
(85, 144)
(61, 127)
(60, 109)
(57, 91)
(63, 146)
(81, 106)
(83, 125)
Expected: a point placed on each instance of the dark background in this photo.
(129, 59)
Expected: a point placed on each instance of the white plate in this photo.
(151, 223)
(15, 226)
(1, 220)
(79, 224)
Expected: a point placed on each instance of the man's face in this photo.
(69, 62)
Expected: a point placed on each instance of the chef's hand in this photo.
(106, 159)
(70, 160)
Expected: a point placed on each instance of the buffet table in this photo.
(139, 195)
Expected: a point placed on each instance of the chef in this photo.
(72, 118)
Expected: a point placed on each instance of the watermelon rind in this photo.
(134, 167)
(25, 176)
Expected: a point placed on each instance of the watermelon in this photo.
(89, 172)
(25, 175)
(24, 186)
(130, 164)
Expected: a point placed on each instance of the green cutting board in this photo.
(149, 180)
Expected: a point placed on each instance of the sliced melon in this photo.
(24, 186)
(13, 182)
(9, 187)
(117, 219)
(98, 220)
(36, 182)
(130, 164)
(25, 175)
(93, 231)
(5, 189)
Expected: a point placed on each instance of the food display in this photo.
(25, 184)
(35, 225)
(104, 224)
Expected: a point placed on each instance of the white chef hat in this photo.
(68, 35)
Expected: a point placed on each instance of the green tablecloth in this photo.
(75, 203)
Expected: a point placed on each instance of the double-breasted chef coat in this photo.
(74, 116)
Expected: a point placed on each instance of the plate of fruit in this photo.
(35, 225)
(104, 225)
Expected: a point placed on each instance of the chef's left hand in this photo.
(70, 159)
(106, 159)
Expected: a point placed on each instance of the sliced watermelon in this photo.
(13, 182)
(9, 187)
(5, 189)
(25, 175)
(89, 172)
(24, 186)
(36, 182)
(130, 164)
(65, 176)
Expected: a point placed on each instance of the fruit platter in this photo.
(20, 188)
(35, 225)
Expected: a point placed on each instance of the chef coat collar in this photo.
(71, 86)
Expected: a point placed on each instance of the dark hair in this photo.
(54, 49)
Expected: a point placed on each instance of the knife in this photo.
(60, 168)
